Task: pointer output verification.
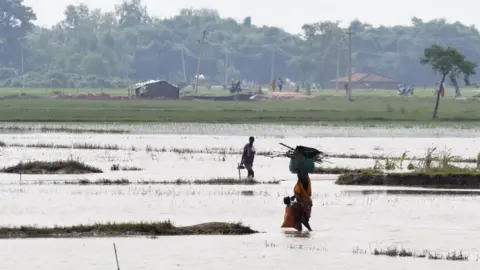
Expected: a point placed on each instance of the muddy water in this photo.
(342, 218)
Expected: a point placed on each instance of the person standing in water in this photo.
(303, 197)
(248, 156)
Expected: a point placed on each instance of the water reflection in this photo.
(413, 192)
(296, 234)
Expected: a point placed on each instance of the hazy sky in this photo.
(289, 15)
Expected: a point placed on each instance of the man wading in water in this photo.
(248, 156)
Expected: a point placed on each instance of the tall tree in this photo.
(447, 61)
(16, 20)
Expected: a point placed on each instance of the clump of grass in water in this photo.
(117, 167)
(430, 161)
(100, 182)
(454, 256)
(358, 250)
(52, 167)
(3, 144)
(388, 163)
(395, 252)
(126, 229)
(96, 146)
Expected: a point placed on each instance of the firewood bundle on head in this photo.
(304, 158)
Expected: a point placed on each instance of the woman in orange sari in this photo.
(298, 212)
(304, 203)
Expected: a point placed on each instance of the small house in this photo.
(156, 89)
(366, 81)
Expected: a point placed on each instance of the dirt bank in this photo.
(126, 229)
(51, 167)
(457, 180)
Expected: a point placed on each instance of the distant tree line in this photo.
(90, 48)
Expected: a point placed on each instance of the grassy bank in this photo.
(51, 167)
(455, 178)
(126, 229)
(374, 108)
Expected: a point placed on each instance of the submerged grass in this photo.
(72, 146)
(214, 181)
(396, 252)
(126, 229)
(117, 167)
(225, 151)
(51, 167)
(14, 128)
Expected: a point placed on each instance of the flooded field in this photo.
(347, 221)
(322, 129)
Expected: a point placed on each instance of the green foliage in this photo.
(450, 62)
(90, 48)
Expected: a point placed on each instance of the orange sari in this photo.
(301, 211)
(304, 197)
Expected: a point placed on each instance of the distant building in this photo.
(366, 81)
(156, 89)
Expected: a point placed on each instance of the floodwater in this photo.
(344, 218)
(278, 130)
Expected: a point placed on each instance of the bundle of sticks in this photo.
(307, 152)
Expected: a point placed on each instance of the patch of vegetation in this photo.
(396, 252)
(224, 181)
(117, 167)
(231, 151)
(434, 170)
(464, 179)
(98, 182)
(215, 181)
(126, 229)
(51, 167)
